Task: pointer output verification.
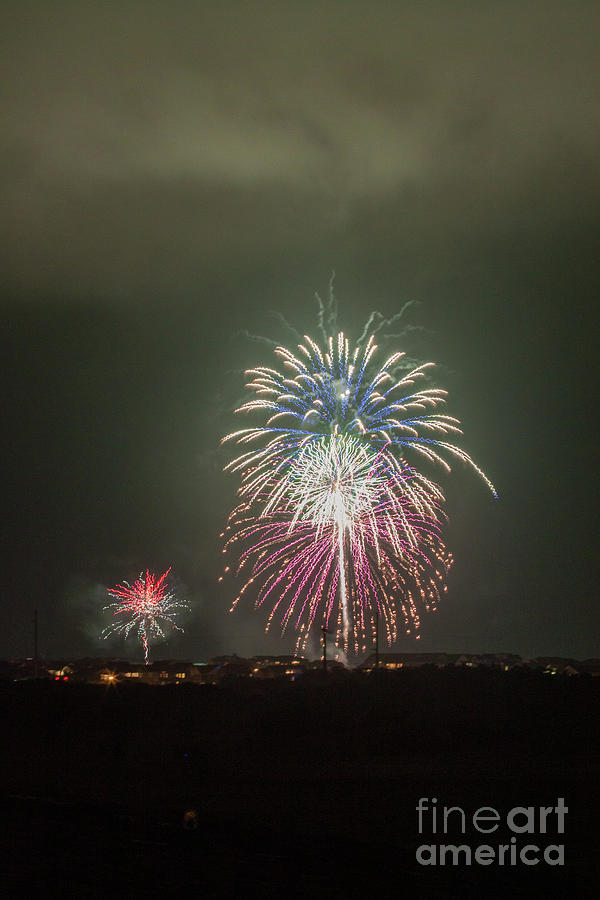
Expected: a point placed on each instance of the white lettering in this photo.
(559, 860)
(430, 860)
(477, 817)
(529, 827)
(561, 810)
(525, 859)
(449, 809)
(484, 855)
(454, 850)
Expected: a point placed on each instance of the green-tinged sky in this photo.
(175, 173)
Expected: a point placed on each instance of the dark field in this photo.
(306, 789)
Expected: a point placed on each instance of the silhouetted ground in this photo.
(306, 789)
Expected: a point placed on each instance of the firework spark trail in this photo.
(147, 606)
(301, 571)
(329, 481)
(377, 321)
(327, 316)
(327, 323)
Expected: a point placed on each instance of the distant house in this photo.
(226, 659)
(61, 671)
(239, 668)
(90, 669)
(555, 665)
(268, 671)
(503, 661)
(408, 660)
(586, 667)
(22, 669)
(283, 660)
(121, 670)
(168, 671)
(204, 673)
(228, 666)
(277, 666)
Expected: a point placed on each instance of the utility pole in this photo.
(376, 638)
(325, 633)
(35, 643)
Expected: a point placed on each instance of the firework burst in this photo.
(147, 607)
(334, 523)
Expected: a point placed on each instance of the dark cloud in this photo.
(139, 140)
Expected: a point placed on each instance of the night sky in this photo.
(174, 174)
